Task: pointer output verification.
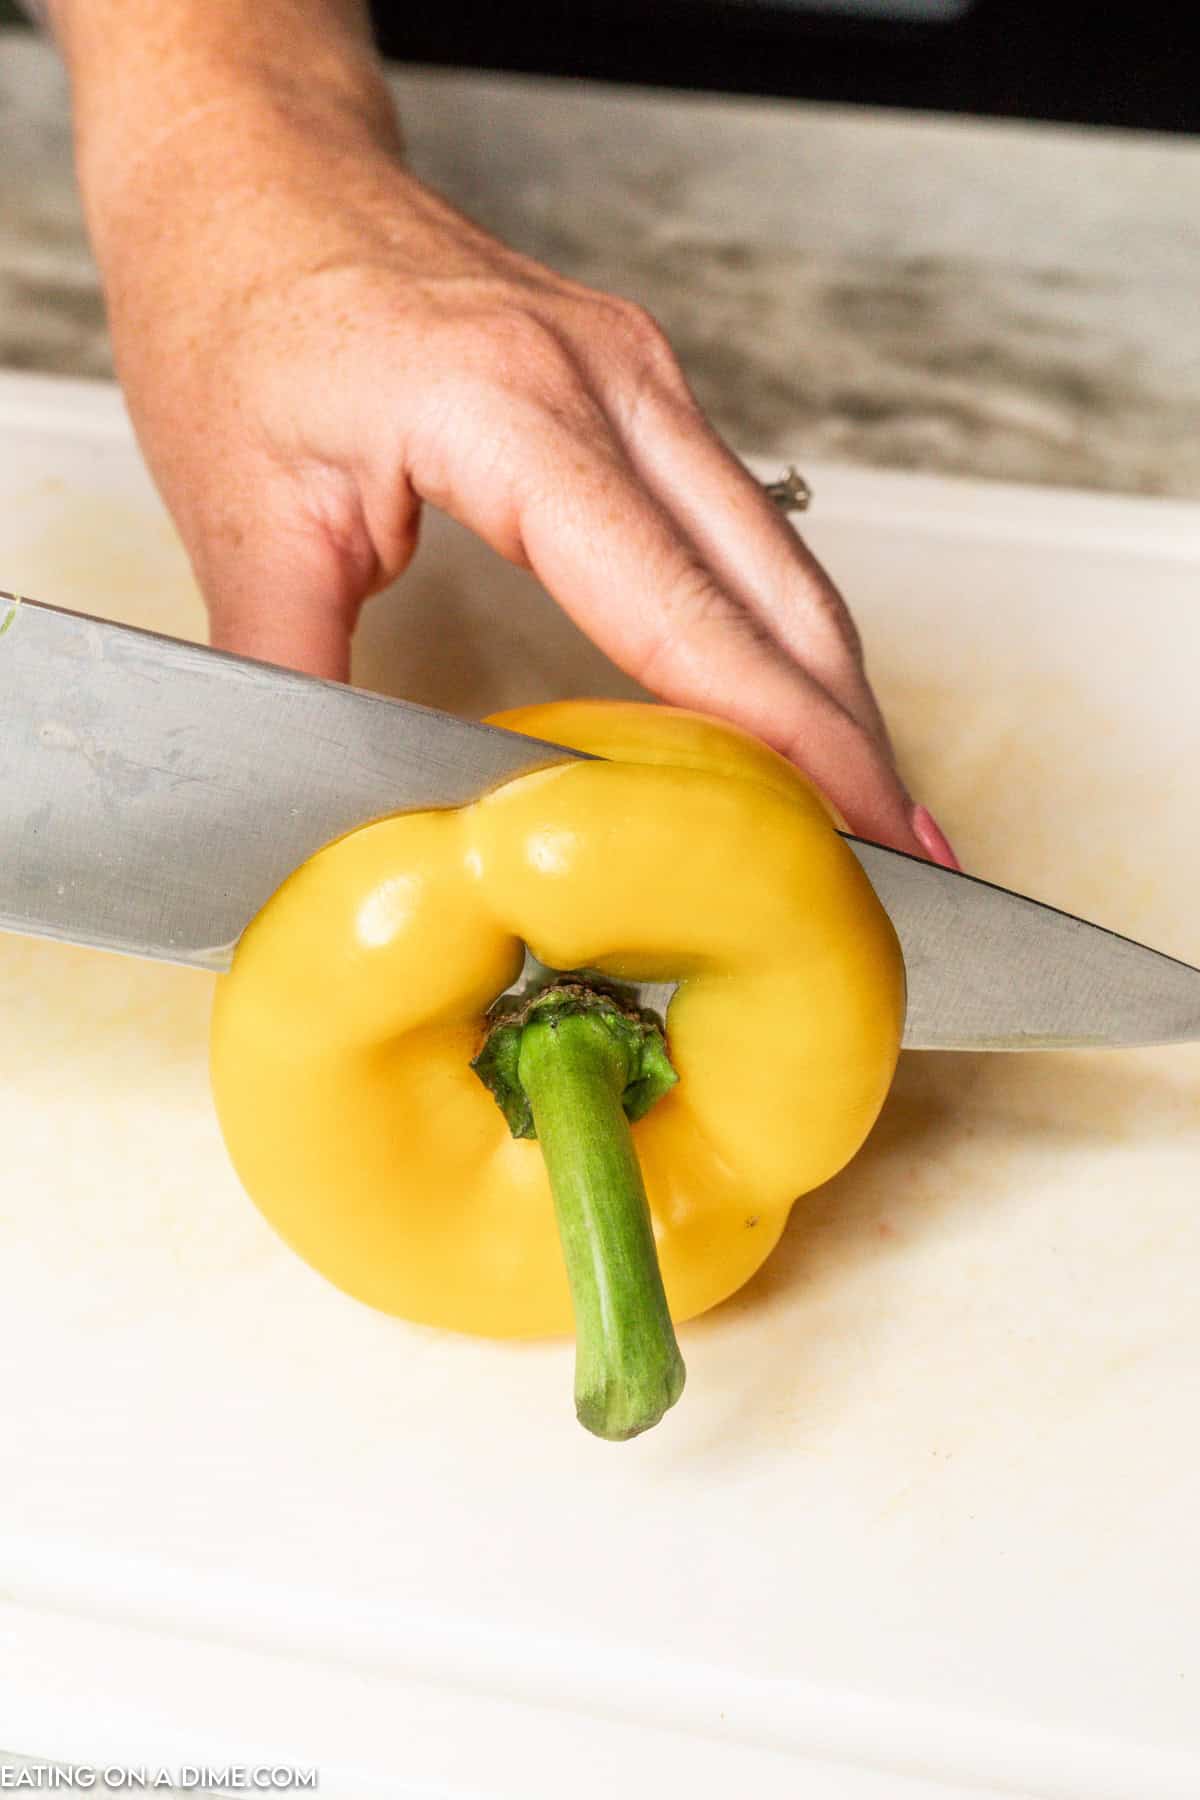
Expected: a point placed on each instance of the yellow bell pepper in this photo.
(345, 1037)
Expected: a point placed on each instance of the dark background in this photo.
(1132, 64)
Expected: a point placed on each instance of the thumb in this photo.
(287, 585)
(287, 625)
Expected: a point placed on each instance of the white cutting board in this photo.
(927, 1522)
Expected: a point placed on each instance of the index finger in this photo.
(623, 569)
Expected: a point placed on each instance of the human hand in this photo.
(313, 344)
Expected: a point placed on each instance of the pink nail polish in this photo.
(932, 838)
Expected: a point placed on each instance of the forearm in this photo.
(165, 96)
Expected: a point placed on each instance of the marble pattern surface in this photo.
(972, 297)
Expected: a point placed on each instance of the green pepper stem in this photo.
(628, 1370)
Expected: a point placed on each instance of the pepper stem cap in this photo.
(571, 1066)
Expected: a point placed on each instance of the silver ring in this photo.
(790, 493)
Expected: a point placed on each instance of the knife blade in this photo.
(154, 794)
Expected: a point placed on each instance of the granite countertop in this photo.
(971, 297)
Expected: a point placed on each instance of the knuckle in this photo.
(329, 514)
(524, 350)
(826, 612)
(638, 324)
(693, 601)
(521, 379)
(494, 348)
(650, 350)
(515, 382)
(841, 621)
(691, 612)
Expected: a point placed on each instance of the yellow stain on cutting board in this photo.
(113, 558)
(1042, 788)
(107, 1080)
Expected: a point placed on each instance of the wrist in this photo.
(177, 108)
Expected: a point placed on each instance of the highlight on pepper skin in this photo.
(344, 1036)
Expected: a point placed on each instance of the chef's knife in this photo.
(154, 794)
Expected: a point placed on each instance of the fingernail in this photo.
(932, 838)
